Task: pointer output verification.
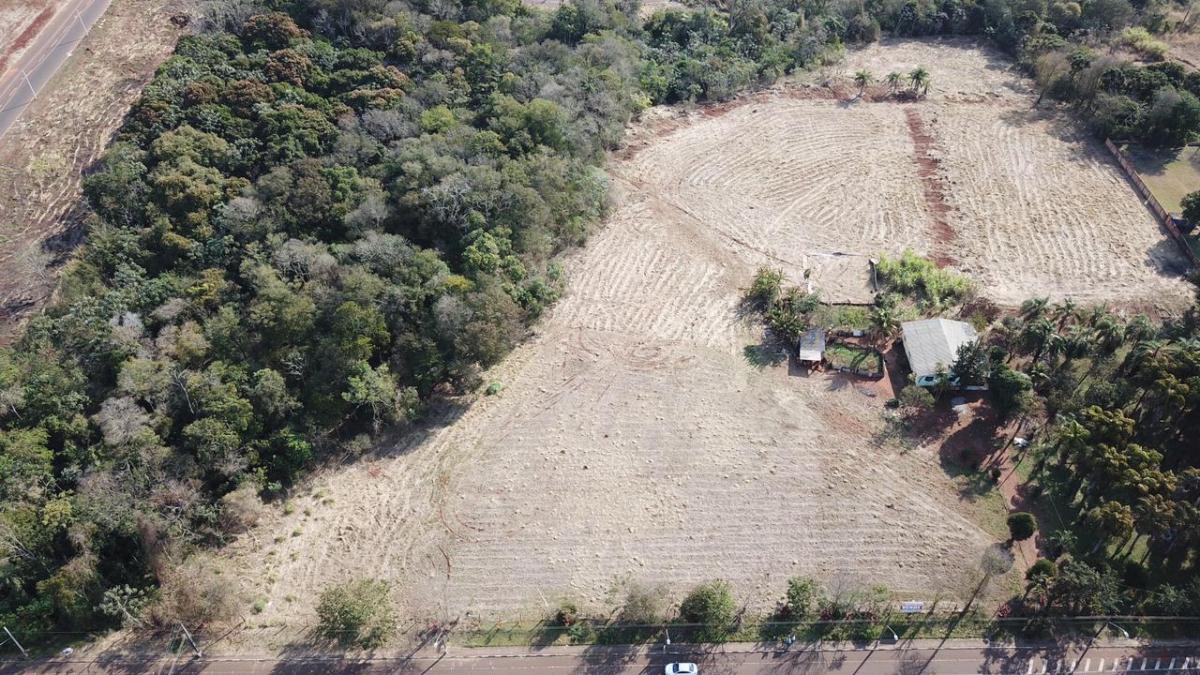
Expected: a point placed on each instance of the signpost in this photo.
(912, 607)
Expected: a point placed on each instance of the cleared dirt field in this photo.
(633, 439)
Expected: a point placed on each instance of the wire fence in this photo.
(306, 641)
(1161, 213)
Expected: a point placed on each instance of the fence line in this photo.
(1163, 216)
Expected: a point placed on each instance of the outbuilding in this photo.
(932, 344)
(812, 346)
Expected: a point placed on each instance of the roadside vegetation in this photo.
(317, 221)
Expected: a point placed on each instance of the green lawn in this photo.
(1170, 174)
(844, 317)
(861, 359)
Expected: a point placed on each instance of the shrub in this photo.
(1139, 40)
(1041, 569)
(567, 614)
(194, 595)
(581, 632)
(710, 606)
(357, 613)
(914, 400)
(643, 604)
(1021, 526)
(1191, 207)
(802, 598)
(920, 279)
(766, 287)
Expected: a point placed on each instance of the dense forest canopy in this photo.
(321, 214)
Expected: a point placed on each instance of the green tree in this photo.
(1112, 519)
(1191, 207)
(919, 80)
(971, 365)
(894, 80)
(711, 607)
(1021, 526)
(803, 597)
(1010, 390)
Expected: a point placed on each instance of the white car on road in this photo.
(682, 669)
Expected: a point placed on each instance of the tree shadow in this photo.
(603, 659)
(764, 355)
(964, 453)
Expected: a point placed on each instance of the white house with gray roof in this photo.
(930, 343)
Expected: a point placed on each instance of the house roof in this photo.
(812, 344)
(931, 342)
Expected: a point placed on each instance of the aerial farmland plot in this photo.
(631, 439)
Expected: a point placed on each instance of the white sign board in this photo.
(912, 607)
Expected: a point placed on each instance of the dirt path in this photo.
(1010, 486)
(934, 187)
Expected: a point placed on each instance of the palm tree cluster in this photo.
(1122, 401)
(918, 80)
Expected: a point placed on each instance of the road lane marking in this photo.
(1029, 670)
(1087, 665)
(1157, 664)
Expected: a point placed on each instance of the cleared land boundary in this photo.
(1159, 212)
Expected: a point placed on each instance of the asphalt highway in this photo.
(25, 78)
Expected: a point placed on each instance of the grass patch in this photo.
(988, 510)
(859, 359)
(843, 317)
(1170, 173)
(915, 626)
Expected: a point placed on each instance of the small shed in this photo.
(933, 343)
(812, 345)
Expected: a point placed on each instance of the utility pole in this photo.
(188, 635)
(13, 638)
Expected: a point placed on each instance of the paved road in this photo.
(54, 44)
(610, 661)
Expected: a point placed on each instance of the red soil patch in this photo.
(934, 187)
(26, 36)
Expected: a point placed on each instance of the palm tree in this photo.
(1064, 311)
(862, 78)
(894, 80)
(885, 323)
(919, 79)
(1110, 334)
(1033, 308)
(1037, 336)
